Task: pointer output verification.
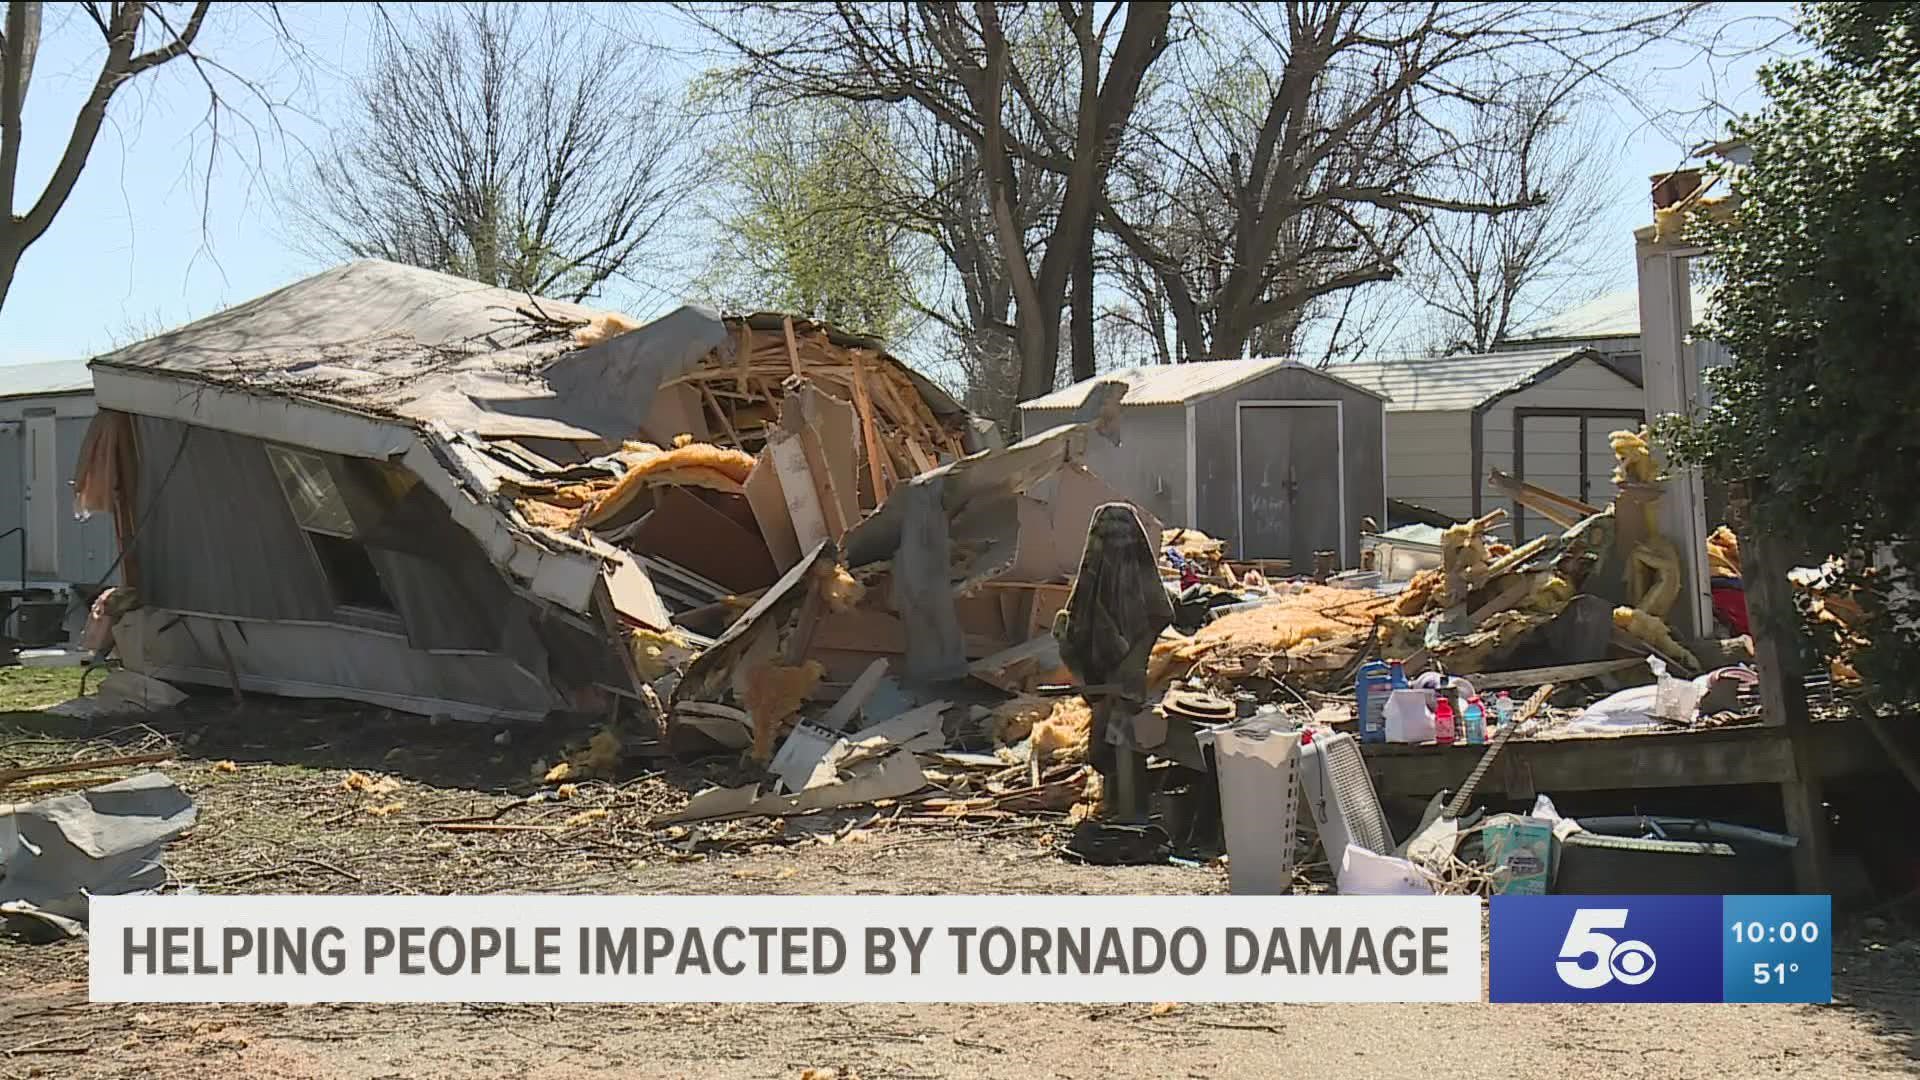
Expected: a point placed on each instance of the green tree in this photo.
(1818, 300)
(808, 224)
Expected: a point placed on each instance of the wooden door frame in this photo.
(1239, 476)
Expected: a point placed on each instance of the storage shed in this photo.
(1542, 415)
(44, 412)
(1277, 458)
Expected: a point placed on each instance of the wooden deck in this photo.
(1751, 754)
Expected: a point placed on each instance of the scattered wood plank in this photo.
(1518, 555)
(8, 776)
(1559, 673)
(836, 718)
(789, 459)
(793, 347)
(1510, 597)
(1562, 510)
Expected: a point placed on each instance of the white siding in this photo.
(1430, 461)
(1552, 443)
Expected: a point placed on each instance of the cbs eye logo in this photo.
(1590, 959)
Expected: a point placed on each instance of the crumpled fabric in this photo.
(1113, 615)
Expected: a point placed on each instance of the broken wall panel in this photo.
(216, 533)
(689, 531)
(331, 661)
(447, 594)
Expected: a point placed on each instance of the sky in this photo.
(151, 238)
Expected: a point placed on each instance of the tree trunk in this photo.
(1082, 314)
(1037, 331)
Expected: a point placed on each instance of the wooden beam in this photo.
(8, 776)
(793, 347)
(1555, 507)
(1518, 555)
(1783, 694)
(726, 423)
(876, 457)
(1508, 598)
(746, 355)
(1560, 673)
(1726, 756)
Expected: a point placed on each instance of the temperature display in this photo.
(1776, 948)
(1661, 948)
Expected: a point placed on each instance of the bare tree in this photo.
(991, 73)
(946, 198)
(1486, 277)
(514, 145)
(1301, 148)
(138, 38)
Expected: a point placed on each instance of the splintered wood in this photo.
(741, 395)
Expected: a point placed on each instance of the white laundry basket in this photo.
(1258, 764)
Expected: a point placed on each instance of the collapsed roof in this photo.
(625, 474)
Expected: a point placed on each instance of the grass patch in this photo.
(25, 689)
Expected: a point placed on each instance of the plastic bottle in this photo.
(1442, 721)
(1371, 687)
(1503, 708)
(1397, 674)
(1475, 717)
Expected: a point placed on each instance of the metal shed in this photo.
(1542, 415)
(44, 413)
(1277, 458)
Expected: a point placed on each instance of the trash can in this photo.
(1258, 762)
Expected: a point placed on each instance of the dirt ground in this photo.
(275, 817)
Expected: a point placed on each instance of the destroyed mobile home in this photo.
(393, 486)
(761, 536)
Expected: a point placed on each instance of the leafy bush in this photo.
(1818, 300)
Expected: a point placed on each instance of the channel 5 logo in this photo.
(1605, 948)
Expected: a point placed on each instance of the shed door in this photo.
(1565, 450)
(1290, 470)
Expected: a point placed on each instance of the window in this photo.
(311, 491)
(350, 571)
(313, 494)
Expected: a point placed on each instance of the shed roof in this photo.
(1176, 384)
(50, 377)
(1457, 383)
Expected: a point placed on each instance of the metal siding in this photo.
(1149, 466)
(13, 457)
(1429, 461)
(314, 660)
(82, 550)
(215, 533)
